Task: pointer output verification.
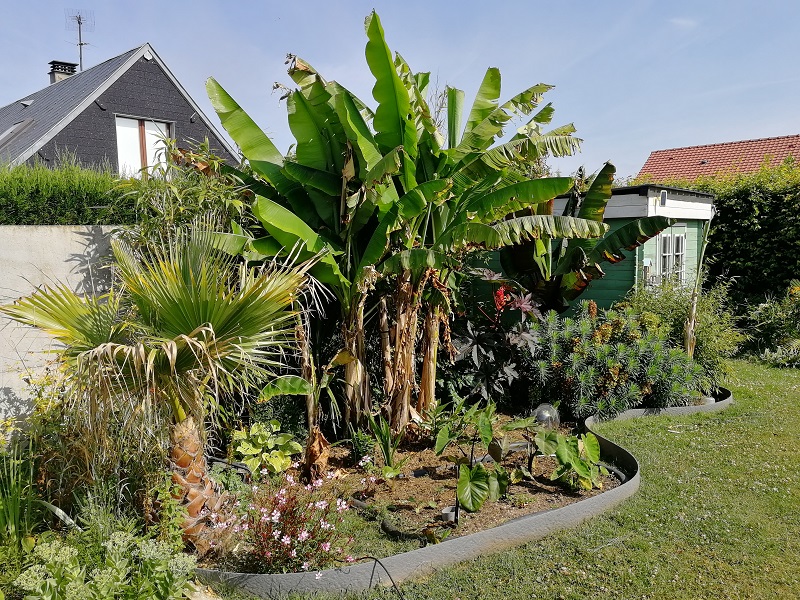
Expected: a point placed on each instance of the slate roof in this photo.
(52, 108)
(693, 161)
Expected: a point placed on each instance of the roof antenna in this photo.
(80, 21)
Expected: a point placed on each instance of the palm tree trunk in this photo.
(193, 487)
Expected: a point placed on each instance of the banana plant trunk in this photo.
(409, 293)
(358, 400)
(193, 487)
(427, 386)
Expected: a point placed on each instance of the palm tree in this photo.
(187, 328)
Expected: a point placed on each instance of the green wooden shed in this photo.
(675, 252)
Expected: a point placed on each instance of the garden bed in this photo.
(485, 537)
(423, 561)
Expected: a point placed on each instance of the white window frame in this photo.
(139, 144)
(671, 257)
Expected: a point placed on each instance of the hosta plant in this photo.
(264, 448)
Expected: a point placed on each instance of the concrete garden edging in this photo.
(424, 561)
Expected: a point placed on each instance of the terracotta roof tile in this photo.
(693, 161)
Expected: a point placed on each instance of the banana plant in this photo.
(558, 270)
(383, 193)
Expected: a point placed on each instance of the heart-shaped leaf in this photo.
(473, 486)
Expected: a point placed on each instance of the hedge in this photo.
(65, 195)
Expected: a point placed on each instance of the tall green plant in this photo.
(17, 496)
(368, 185)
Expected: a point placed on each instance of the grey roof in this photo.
(52, 108)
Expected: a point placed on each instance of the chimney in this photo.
(61, 70)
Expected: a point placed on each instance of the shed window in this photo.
(672, 255)
(140, 144)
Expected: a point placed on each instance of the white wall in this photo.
(32, 256)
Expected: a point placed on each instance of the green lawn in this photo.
(717, 516)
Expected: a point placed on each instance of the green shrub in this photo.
(65, 195)
(717, 335)
(606, 364)
(774, 323)
(132, 568)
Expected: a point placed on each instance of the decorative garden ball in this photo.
(547, 416)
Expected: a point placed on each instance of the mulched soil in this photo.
(414, 501)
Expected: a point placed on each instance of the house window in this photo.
(140, 144)
(672, 256)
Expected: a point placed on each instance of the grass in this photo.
(717, 516)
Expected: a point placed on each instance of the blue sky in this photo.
(633, 76)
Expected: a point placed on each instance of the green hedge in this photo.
(65, 195)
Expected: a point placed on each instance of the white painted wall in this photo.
(32, 256)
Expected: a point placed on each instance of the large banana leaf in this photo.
(289, 230)
(393, 123)
(455, 109)
(357, 131)
(609, 249)
(506, 200)
(253, 142)
(597, 196)
(324, 181)
(520, 229)
(593, 207)
(317, 145)
(483, 134)
(486, 99)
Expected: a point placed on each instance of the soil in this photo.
(413, 502)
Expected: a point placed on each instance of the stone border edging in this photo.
(424, 561)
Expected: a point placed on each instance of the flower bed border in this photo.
(424, 561)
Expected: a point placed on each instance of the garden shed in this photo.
(675, 252)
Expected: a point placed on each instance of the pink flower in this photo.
(317, 483)
(286, 540)
(321, 504)
(293, 553)
(305, 566)
(304, 535)
(350, 559)
(326, 546)
(318, 575)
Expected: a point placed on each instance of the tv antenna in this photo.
(80, 21)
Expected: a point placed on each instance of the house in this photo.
(674, 253)
(692, 162)
(115, 112)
